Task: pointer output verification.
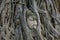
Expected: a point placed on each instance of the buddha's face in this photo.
(31, 22)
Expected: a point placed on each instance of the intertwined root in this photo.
(29, 20)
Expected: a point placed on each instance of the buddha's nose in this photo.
(35, 22)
